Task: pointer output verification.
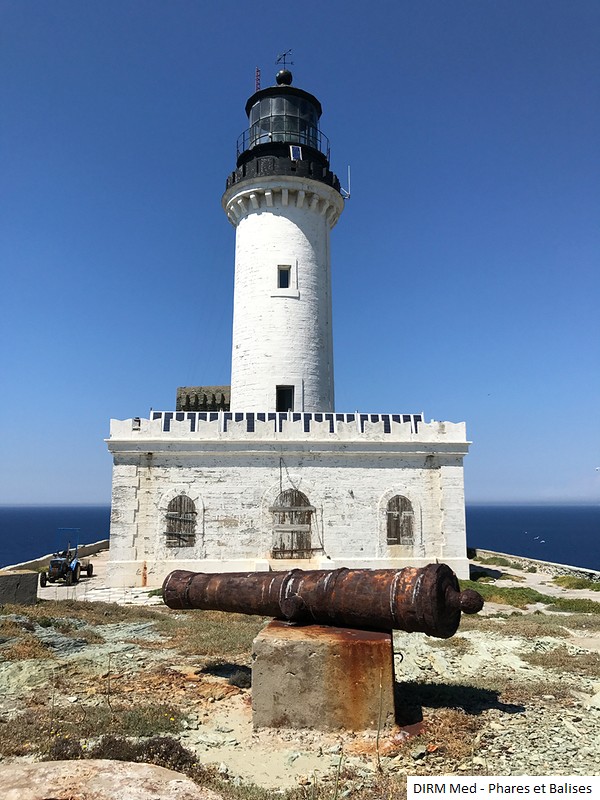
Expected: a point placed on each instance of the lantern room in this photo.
(282, 114)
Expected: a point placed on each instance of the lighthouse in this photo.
(283, 200)
(265, 474)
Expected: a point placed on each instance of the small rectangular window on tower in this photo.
(283, 277)
(285, 398)
(295, 152)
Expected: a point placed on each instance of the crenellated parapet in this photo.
(275, 192)
(278, 426)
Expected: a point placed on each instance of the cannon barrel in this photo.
(426, 599)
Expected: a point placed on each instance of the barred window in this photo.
(292, 520)
(181, 522)
(400, 521)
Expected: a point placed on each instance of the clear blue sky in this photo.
(465, 264)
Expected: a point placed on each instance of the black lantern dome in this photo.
(284, 76)
(284, 137)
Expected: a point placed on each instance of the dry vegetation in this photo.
(25, 647)
(136, 716)
(212, 633)
(533, 625)
(561, 659)
(40, 728)
(457, 643)
(57, 612)
(451, 731)
(188, 632)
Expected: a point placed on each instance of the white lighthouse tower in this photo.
(283, 200)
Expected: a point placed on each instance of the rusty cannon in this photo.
(426, 599)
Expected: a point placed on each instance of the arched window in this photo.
(292, 519)
(400, 521)
(181, 522)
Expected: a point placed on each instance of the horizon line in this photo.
(520, 502)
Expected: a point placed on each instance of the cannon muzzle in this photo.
(426, 599)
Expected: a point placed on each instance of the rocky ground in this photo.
(514, 692)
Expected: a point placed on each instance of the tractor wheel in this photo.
(77, 573)
(69, 578)
(90, 570)
(43, 579)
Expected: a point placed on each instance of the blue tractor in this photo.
(66, 565)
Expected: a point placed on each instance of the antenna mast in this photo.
(257, 79)
(346, 192)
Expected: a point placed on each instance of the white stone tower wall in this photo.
(282, 336)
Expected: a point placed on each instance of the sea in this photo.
(565, 534)
(28, 532)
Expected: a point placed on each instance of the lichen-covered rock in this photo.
(97, 780)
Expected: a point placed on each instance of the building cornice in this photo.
(222, 448)
(281, 191)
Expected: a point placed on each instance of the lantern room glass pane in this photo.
(265, 107)
(303, 132)
(284, 119)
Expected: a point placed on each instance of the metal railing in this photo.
(252, 137)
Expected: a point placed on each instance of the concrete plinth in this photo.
(320, 677)
(18, 587)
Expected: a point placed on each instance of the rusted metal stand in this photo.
(322, 677)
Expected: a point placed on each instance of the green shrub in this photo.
(573, 582)
(522, 596)
(519, 596)
(500, 561)
(497, 561)
(575, 605)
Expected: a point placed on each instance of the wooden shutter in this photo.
(400, 521)
(181, 522)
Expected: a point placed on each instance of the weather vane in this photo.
(282, 59)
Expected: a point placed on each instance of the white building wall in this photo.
(234, 477)
(282, 336)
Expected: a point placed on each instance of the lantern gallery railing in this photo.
(290, 134)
